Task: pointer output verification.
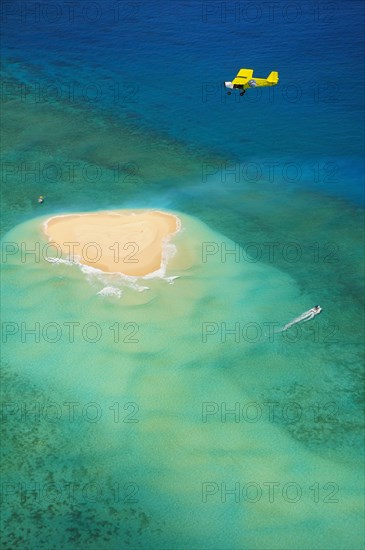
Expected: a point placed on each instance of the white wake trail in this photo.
(306, 316)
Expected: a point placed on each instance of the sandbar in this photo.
(124, 241)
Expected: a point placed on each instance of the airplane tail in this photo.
(273, 77)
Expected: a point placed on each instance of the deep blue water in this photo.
(163, 63)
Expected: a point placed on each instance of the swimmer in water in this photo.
(306, 316)
(41, 199)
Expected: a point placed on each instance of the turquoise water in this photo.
(116, 425)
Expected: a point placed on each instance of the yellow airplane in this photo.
(244, 80)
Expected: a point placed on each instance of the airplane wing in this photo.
(243, 76)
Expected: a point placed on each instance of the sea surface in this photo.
(169, 413)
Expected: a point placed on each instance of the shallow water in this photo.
(144, 405)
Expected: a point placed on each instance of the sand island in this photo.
(122, 241)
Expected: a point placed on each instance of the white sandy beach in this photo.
(122, 241)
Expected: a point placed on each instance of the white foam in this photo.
(117, 279)
(60, 261)
(110, 291)
(171, 280)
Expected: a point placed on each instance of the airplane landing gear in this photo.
(244, 91)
